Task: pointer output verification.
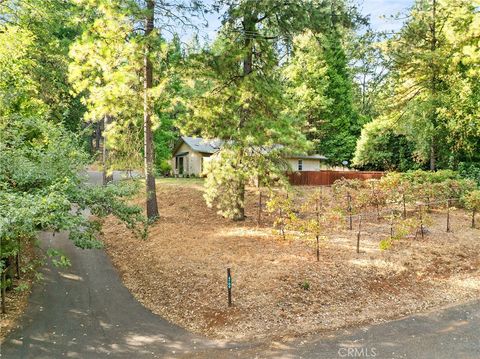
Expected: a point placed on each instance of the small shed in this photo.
(190, 153)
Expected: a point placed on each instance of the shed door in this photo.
(180, 164)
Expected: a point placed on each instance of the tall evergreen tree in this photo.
(334, 123)
(244, 103)
(120, 59)
(105, 62)
(430, 97)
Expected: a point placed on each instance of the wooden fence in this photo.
(327, 177)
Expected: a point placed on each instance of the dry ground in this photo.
(179, 272)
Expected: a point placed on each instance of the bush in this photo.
(470, 170)
(164, 168)
(472, 201)
(434, 186)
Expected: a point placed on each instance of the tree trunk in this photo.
(249, 29)
(91, 139)
(240, 210)
(98, 135)
(105, 175)
(433, 48)
(433, 165)
(3, 289)
(151, 193)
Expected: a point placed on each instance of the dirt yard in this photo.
(279, 289)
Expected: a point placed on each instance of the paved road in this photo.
(86, 312)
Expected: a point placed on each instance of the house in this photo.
(307, 163)
(191, 153)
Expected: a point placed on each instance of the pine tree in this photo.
(421, 57)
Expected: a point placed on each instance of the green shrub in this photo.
(472, 201)
(470, 170)
(164, 168)
(426, 185)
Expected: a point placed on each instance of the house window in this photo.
(300, 165)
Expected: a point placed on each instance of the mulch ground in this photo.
(279, 289)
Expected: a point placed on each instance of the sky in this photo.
(384, 8)
(379, 11)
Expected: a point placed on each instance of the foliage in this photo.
(351, 195)
(307, 78)
(341, 121)
(104, 71)
(125, 73)
(440, 185)
(305, 285)
(40, 183)
(240, 97)
(34, 38)
(370, 70)
(470, 170)
(472, 201)
(40, 161)
(281, 204)
(312, 220)
(402, 227)
(225, 181)
(321, 85)
(168, 105)
(429, 101)
(380, 147)
(396, 187)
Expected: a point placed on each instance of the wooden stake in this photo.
(421, 221)
(473, 218)
(375, 198)
(448, 215)
(404, 207)
(391, 225)
(17, 264)
(282, 222)
(317, 211)
(349, 197)
(358, 233)
(259, 207)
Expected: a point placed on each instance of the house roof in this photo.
(306, 157)
(200, 145)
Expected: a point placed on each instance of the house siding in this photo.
(307, 164)
(193, 161)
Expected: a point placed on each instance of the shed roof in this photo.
(308, 157)
(201, 145)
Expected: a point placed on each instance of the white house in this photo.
(190, 154)
(307, 163)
